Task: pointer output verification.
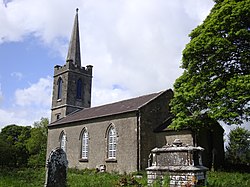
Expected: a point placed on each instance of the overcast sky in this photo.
(135, 47)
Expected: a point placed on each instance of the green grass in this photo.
(91, 178)
(28, 177)
(228, 179)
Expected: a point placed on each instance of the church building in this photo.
(120, 135)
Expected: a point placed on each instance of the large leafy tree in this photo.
(24, 145)
(215, 83)
(13, 145)
(37, 143)
(238, 149)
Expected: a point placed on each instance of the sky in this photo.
(135, 47)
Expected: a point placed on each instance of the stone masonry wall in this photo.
(126, 143)
(152, 115)
(68, 103)
(184, 135)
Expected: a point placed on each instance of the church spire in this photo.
(74, 53)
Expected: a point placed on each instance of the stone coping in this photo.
(176, 149)
(177, 168)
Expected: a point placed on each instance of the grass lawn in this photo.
(28, 177)
(228, 179)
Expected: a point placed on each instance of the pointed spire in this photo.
(74, 53)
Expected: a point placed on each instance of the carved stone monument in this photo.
(182, 163)
(57, 163)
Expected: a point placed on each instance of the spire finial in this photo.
(77, 9)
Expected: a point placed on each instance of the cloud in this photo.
(38, 94)
(197, 9)
(134, 46)
(47, 20)
(51, 21)
(30, 104)
(21, 116)
(17, 75)
(138, 44)
(105, 96)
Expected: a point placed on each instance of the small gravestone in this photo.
(57, 163)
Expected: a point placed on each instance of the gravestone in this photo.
(57, 163)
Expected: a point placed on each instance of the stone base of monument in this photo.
(178, 176)
(181, 163)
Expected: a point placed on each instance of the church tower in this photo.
(72, 82)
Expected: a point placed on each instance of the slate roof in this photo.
(124, 106)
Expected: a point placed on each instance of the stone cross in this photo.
(56, 174)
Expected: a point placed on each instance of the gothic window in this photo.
(84, 144)
(59, 88)
(79, 89)
(112, 140)
(63, 140)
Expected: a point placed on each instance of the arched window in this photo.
(112, 140)
(79, 89)
(58, 116)
(63, 140)
(84, 144)
(59, 88)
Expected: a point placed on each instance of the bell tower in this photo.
(72, 82)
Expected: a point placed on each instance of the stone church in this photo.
(120, 135)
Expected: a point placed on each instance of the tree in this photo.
(6, 150)
(23, 145)
(238, 149)
(216, 79)
(37, 143)
(12, 145)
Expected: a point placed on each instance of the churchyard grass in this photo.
(25, 177)
(89, 178)
(29, 177)
(228, 179)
